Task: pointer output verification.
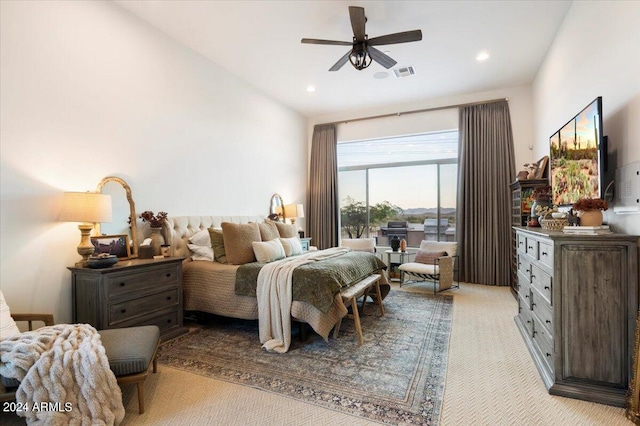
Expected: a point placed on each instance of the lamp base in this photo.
(85, 248)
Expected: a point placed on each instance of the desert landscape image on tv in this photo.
(575, 158)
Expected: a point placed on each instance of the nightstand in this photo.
(130, 293)
(305, 242)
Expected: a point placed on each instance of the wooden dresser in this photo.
(577, 305)
(130, 293)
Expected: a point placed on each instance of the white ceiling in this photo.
(259, 41)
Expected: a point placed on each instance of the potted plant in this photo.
(590, 211)
(541, 198)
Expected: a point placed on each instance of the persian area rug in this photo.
(396, 377)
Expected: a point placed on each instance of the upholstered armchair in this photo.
(436, 262)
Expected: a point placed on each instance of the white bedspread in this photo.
(275, 297)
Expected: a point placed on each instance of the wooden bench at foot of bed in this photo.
(351, 294)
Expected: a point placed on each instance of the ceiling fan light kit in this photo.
(362, 52)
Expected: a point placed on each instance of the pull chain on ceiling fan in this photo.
(362, 52)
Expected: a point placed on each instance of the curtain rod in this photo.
(415, 111)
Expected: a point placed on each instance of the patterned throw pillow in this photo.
(428, 257)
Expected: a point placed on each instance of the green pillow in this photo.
(217, 244)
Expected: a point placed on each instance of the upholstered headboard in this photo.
(178, 229)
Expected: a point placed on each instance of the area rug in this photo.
(397, 376)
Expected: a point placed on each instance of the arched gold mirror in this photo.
(124, 211)
(276, 211)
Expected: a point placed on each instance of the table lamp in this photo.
(87, 208)
(293, 211)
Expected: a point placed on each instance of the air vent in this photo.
(404, 72)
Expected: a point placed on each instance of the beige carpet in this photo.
(491, 380)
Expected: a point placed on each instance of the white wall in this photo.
(519, 108)
(595, 53)
(89, 90)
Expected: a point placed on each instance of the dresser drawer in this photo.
(542, 310)
(119, 284)
(544, 343)
(522, 243)
(164, 322)
(524, 267)
(524, 290)
(545, 251)
(532, 248)
(119, 312)
(525, 316)
(541, 281)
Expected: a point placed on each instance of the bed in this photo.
(211, 287)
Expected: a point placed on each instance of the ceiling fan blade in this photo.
(318, 41)
(340, 62)
(380, 57)
(357, 22)
(403, 37)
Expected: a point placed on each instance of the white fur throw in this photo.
(65, 369)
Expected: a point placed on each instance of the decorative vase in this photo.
(403, 245)
(157, 240)
(395, 243)
(590, 217)
(543, 202)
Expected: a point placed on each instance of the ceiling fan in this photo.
(362, 52)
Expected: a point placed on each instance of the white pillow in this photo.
(8, 326)
(201, 238)
(201, 252)
(268, 251)
(292, 246)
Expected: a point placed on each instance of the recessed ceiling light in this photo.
(380, 75)
(482, 56)
(311, 89)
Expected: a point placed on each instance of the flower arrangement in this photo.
(154, 220)
(542, 193)
(545, 211)
(585, 204)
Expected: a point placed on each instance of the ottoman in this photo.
(131, 352)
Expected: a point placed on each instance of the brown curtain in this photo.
(486, 168)
(323, 187)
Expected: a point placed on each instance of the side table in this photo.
(130, 293)
(403, 256)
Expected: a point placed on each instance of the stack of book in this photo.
(587, 230)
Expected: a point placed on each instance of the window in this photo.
(409, 179)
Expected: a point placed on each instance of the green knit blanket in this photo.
(318, 282)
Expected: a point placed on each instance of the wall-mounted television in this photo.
(578, 157)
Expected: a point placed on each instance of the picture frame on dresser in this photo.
(112, 244)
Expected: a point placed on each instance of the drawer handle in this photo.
(530, 247)
(548, 354)
(534, 333)
(546, 287)
(548, 322)
(520, 243)
(533, 304)
(533, 276)
(169, 321)
(168, 297)
(528, 321)
(168, 275)
(526, 295)
(122, 311)
(544, 253)
(122, 284)
(526, 270)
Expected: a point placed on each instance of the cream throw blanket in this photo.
(64, 364)
(274, 297)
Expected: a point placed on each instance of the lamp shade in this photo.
(293, 210)
(89, 207)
